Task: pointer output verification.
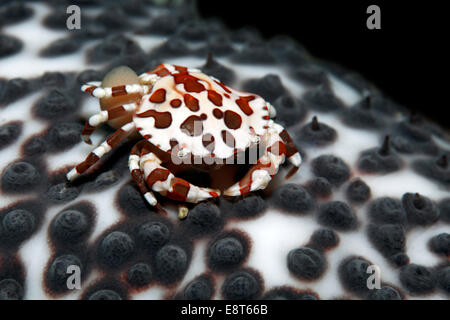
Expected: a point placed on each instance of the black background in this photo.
(406, 59)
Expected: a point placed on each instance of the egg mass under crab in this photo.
(188, 118)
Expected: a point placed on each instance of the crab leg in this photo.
(104, 116)
(261, 173)
(107, 145)
(94, 89)
(161, 180)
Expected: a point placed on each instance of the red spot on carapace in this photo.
(162, 119)
(228, 139)
(215, 97)
(161, 71)
(192, 126)
(224, 87)
(191, 102)
(243, 103)
(217, 113)
(159, 96)
(175, 103)
(191, 83)
(232, 120)
(214, 194)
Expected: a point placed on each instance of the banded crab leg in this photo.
(104, 116)
(278, 146)
(113, 141)
(147, 172)
(95, 89)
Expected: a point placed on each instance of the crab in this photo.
(186, 118)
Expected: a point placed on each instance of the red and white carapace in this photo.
(183, 113)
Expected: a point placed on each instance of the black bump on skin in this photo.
(164, 24)
(115, 249)
(436, 169)
(389, 239)
(20, 177)
(10, 289)
(9, 45)
(193, 30)
(220, 45)
(320, 187)
(106, 289)
(337, 215)
(14, 12)
(227, 251)
(217, 70)
(379, 160)
(353, 275)
(153, 234)
(322, 98)
(384, 293)
(113, 18)
(289, 293)
(362, 116)
(60, 47)
(110, 48)
(62, 192)
(411, 137)
(387, 210)
(324, 239)
(316, 133)
(72, 225)
(205, 218)
(306, 263)
(248, 206)
(103, 181)
(9, 133)
(254, 53)
(290, 111)
(172, 48)
(55, 105)
(63, 135)
(443, 278)
(269, 87)
(400, 259)
(131, 201)
(357, 191)
(139, 274)
(334, 169)
(288, 51)
(13, 90)
(89, 75)
(419, 209)
(244, 284)
(19, 222)
(418, 280)
(105, 294)
(53, 79)
(201, 288)
(34, 146)
(56, 275)
(293, 198)
(171, 263)
(444, 209)
(440, 244)
(311, 75)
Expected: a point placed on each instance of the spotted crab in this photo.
(186, 118)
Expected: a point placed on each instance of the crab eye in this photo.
(117, 77)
